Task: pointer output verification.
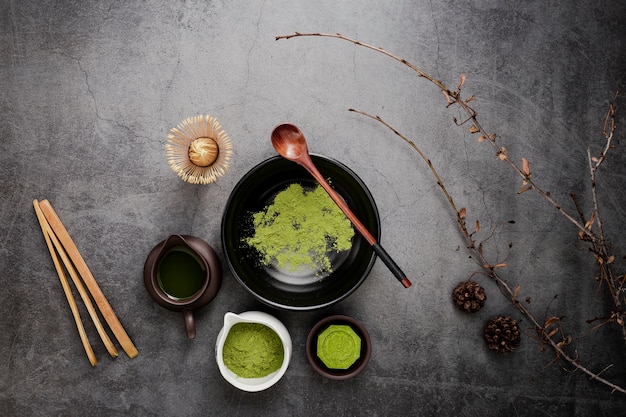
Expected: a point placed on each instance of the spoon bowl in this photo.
(289, 142)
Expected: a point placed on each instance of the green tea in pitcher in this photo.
(180, 273)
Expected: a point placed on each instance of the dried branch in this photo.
(546, 331)
(600, 248)
(586, 229)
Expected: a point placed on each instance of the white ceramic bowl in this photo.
(253, 384)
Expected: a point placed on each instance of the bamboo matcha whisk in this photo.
(199, 150)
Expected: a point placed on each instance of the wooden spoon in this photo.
(290, 143)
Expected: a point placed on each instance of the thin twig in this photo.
(459, 218)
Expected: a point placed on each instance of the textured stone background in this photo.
(90, 90)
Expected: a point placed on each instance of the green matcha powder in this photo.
(299, 228)
(252, 350)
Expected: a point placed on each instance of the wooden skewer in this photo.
(81, 290)
(66, 286)
(105, 308)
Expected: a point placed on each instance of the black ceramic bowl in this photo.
(282, 288)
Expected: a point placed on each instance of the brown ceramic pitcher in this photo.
(183, 273)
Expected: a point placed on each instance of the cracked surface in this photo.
(91, 88)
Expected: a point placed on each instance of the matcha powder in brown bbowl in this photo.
(252, 350)
(299, 229)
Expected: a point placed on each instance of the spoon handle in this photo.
(393, 267)
(382, 254)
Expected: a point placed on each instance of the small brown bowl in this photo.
(357, 366)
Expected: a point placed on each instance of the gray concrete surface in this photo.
(90, 90)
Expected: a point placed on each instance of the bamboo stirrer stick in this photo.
(105, 308)
(81, 290)
(66, 286)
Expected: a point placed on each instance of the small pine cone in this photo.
(502, 334)
(469, 296)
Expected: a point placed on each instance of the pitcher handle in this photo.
(190, 323)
